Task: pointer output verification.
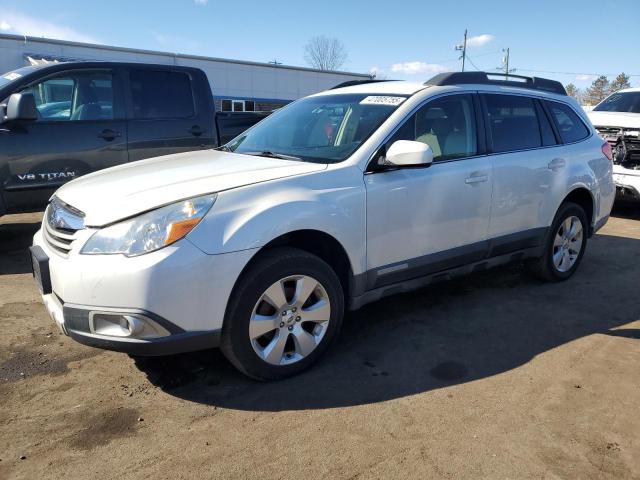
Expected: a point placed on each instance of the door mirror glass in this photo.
(407, 153)
(21, 107)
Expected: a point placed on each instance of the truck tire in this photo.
(284, 312)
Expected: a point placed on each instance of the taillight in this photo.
(607, 151)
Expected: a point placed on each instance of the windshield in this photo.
(7, 78)
(322, 129)
(620, 102)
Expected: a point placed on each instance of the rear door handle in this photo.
(556, 164)
(196, 130)
(476, 178)
(108, 134)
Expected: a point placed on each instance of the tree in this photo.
(574, 92)
(325, 53)
(598, 90)
(621, 81)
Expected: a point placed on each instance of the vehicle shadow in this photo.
(629, 210)
(455, 332)
(15, 238)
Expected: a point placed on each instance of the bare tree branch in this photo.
(325, 53)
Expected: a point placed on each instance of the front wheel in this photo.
(283, 314)
(564, 246)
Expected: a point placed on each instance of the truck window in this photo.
(157, 94)
(81, 96)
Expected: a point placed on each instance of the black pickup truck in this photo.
(61, 121)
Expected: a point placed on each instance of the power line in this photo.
(577, 73)
(471, 62)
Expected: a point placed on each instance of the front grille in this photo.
(61, 241)
(606, 131)
(610, 134)
(60, 225)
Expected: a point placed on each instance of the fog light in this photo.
(109, 324)
(113, 324)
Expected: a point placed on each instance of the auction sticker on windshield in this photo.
(12, 76)
(383, 100)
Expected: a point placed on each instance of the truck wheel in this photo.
(564, 246)
(283, 314)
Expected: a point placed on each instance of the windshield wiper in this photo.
(269, 154)
(223, 148)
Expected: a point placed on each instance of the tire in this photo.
(558, 245)
(266, 299)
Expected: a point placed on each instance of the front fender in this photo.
(331, 201)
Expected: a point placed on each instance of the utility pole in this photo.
(505, 62)
(463, 49)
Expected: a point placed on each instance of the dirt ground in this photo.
(490, 376)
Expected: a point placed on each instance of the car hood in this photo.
(126, 190)
(615, 119)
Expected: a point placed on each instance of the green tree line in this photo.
(599, 89)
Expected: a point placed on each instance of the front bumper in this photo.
(627, 184)
(74, 321)
(179, 289)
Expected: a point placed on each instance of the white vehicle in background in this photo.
(617, 119)
(334, 201)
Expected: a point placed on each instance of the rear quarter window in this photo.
(571, 127)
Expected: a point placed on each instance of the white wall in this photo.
(227, 78)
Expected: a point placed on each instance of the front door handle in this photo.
(556, 164)
(476, 178)
(108, 134)
(196, 130)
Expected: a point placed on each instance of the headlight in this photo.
(150, 231)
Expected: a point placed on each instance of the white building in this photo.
(237, 85)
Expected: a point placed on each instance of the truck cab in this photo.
(61, 121)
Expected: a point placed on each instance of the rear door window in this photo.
(571, 128)
(156, 94)
(512, 122)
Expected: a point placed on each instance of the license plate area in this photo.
(40, 269)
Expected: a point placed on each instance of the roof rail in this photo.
(351, 83)
(484, 78)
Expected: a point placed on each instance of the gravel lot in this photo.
(490, 376)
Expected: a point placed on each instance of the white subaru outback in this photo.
(334, 201)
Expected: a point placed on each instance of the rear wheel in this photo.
(283, 314)
(565, 244)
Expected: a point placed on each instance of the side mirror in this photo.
(407, 153)
(21, 107)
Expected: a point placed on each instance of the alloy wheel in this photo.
(567, 244)
(289, 320)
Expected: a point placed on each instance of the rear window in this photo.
(572, 129)
(513, 123)
(161, 94)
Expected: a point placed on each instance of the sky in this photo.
(568, 40)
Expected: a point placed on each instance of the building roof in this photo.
(28, 39)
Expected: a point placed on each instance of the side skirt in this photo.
(376, 294)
